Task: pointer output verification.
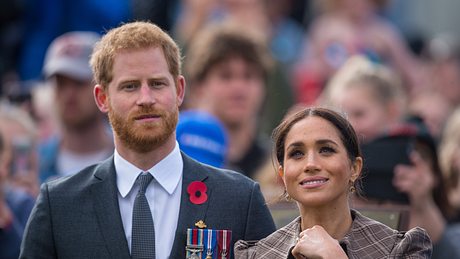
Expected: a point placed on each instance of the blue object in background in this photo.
(203, 137)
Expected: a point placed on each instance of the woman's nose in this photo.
(311, 163)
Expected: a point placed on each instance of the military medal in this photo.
(209, 245)
(224, 238)
(194, 248)
(224, 244)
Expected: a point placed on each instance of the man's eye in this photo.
(129, 86)
(157, 84)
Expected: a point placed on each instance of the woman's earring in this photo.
(286, 196)
(352, 187)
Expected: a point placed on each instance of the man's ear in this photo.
(101, 98)
(180, 89)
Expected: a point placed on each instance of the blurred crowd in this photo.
(247, 64)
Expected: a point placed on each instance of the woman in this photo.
(320, 163)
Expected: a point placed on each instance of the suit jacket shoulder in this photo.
(77, 217)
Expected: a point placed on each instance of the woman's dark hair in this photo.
(347, 133)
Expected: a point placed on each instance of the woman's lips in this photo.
(313, 182)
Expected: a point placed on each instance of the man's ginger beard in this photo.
(148, 136)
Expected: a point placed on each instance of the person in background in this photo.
(15, 203)
(320, 162)
(44, 111)
(285, 36)
(449, 159)
(277, 35)
(43, 21)
(433, 107)
(442, 53)
(142, 201)
(370, 94)
(203, 137)
(344, 29)
(228, 69)
(422, 182)
(20, 134)
(84, 137)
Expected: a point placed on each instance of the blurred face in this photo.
(317, 170)
(19, 157)
(142, 100)
(234, 91)
(434, 109)
(456, 160)
(366, 114)
(75, 102)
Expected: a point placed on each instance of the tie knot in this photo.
(144, 180)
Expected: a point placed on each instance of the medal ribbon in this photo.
(223, 240)
(194, 237)
(211, 240)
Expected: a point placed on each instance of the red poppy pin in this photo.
(197, 192)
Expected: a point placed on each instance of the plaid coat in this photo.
(367, 238)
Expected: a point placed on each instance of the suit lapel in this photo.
(189, 213)
(104, 191)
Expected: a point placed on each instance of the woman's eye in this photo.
(326, 150)
(295, 154)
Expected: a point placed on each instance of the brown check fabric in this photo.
(367, 238)
(143, 231)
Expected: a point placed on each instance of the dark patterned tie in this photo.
(143, 231)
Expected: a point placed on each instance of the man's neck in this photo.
(146, 160)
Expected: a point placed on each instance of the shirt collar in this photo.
(167, 172)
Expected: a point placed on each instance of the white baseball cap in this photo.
(69, 55)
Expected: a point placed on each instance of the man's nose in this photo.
(146, 95)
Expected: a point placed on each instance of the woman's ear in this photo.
(280, 171)
(357, 167)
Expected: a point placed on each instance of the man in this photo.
(101, 211)
(228, 69)
(84, 138)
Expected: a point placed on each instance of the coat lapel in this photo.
(104, 191)
(189, 213)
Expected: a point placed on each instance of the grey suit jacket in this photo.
(367, 238)
(79, 216)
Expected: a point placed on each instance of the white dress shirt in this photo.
(163, 195)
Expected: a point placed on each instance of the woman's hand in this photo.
(315, 242)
